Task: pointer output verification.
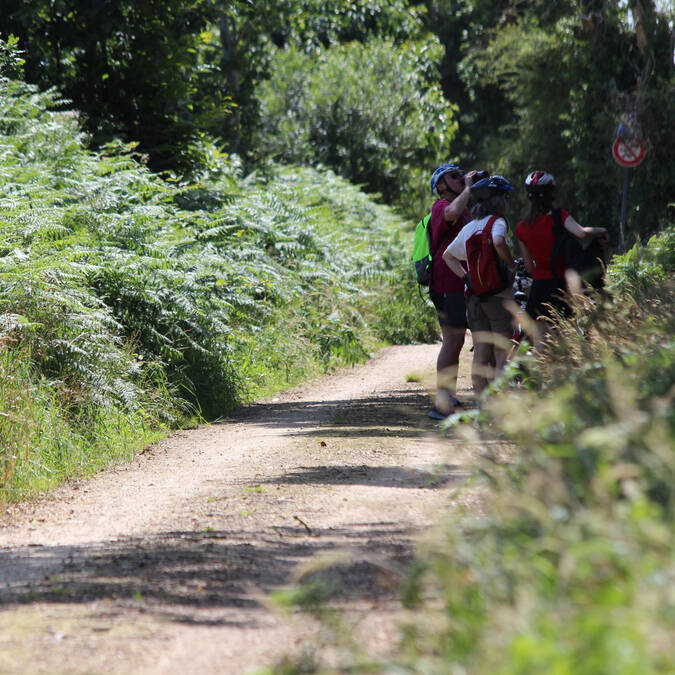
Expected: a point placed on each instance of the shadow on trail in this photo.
(202, 577)
(381, 476)
(372, 415)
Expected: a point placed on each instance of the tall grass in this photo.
(139, 302)
(569, 567)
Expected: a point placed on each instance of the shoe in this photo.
(436, 414)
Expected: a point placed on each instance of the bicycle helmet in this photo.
(439, 173)
(488, 187)
(539, 182)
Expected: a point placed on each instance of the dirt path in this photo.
(165, 565)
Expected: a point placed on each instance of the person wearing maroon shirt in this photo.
(446, 290)
(535, 237)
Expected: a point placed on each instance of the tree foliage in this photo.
(546, 86)
(162, 73)
(371, 111)
(314, 24)
(531, 85)
(131, 68)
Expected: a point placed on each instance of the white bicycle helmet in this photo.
(539, 182)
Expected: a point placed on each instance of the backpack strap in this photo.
(427, 221)
(427, 230)
(488, 226)
(501, 265)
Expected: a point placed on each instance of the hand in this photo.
(603, 237)
(470, 178)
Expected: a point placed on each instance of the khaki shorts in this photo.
(489, 315)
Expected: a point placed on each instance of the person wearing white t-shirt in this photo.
(489, 320)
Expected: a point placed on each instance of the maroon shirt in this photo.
(443, 279)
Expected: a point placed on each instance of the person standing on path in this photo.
(449, 214)
(536, 239)
(489, 320)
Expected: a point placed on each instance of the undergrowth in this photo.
(568, 567)
(142, 302)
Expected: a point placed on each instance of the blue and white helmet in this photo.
(488, 187)
(439, 173)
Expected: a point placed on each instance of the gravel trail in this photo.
(165, 564)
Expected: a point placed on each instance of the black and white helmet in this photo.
(539, 182)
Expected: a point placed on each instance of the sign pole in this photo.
(628, 151)
(624, 209)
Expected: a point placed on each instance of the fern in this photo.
(140, 297)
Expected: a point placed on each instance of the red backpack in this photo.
(485, 269)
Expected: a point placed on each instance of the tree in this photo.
(567, 80)
(131, 68)
(373, 112)
(162, 73)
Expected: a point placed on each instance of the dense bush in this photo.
(372, 112)
(645, 268)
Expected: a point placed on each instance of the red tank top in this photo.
(538, 237)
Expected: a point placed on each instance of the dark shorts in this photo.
(450, 307)
(544, 294)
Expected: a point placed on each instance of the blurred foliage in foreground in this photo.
(132, 302)
(569, 567)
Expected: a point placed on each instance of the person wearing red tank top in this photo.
(535, 237)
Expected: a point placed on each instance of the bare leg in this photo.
(447, 365)
(481, 368)
(501, 356)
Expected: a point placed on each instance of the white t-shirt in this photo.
(458, 245)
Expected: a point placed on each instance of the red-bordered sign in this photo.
(629, 151)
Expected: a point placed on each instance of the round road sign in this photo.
(628, 151)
